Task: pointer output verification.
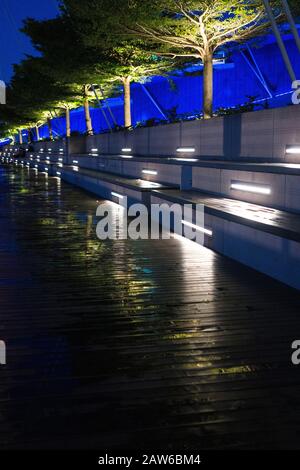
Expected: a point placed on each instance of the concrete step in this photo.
(265, 239)
(274, 185)
(109, 186)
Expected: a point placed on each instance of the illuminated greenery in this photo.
(115, 43)
(124, 59)
(195, 29)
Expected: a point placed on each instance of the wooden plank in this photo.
(124, 344)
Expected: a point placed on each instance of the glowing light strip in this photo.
(149, 172)
(186, 159)
(117, 195)
(293, 150)
(197, 227)
(75, 168)
(126, 156)
(250, 188)
(126, 149)
(185, 150)
(75, 161)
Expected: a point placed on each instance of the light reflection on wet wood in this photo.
(124, 344)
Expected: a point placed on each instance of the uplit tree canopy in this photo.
(115, 43)
(124, 58)
(195, 29)
(32, 94)
(65, 60)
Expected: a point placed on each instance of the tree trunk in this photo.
(50, 128)
(20, 138)
(37, 133)
(87, 114)
(68, 123)
(127, 102)
(29, 135)
(208, 77)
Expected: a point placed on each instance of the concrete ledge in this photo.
(269, 220)
(103, 184)
(269, 246)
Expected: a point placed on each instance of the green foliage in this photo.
(109, 41)
(195, 28)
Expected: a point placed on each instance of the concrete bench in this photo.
(263, 238)
(271, 184)
(109, 186)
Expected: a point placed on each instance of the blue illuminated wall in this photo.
(234, 83)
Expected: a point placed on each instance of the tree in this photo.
(196, 29)
(32, 94)
(66, 61)
(121, 59)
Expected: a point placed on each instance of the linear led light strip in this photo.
(75, 168)
(117, 195)
(58, 173)
(75, 161)
(186, 159)
(185, 150)
(126, 156)
(197, 227)
(126, 149)
(251, 188)
(94, 150)
(293, 149)
(149, 172)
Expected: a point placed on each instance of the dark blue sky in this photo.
(13, 44)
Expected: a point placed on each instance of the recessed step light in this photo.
(185, 149)
(250, 187)
(293, 149)
(198, 228)
(186, 159)
(117, 195)
(149, 172)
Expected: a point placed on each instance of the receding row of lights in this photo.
(290, 149)
(206, 231)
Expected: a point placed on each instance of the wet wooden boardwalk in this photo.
(135, 345)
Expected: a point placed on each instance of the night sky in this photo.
(13, 44)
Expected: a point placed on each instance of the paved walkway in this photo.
(124, 344)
